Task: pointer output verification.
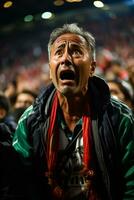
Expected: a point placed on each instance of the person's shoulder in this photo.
(121, 108)
(27, 113)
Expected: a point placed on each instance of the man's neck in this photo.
(72, 108)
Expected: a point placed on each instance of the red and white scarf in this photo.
(53, 138)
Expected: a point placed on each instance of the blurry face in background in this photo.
(130, 70)
(24, 100)
(71, 64)
(118, 94)
(115, 91)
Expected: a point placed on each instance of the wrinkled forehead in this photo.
(70, 38)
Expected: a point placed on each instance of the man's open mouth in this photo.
(67, 75)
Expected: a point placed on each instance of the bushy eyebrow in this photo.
(60, 46)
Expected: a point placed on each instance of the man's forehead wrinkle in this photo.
(62, 44)
(70, 38)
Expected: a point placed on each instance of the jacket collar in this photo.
(99, 96)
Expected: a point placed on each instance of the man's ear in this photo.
(92, 68)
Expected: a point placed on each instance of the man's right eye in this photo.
(59, 52)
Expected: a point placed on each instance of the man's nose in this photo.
(66, 58)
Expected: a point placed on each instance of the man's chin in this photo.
(67, 91)
(72, 91)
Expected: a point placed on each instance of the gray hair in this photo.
(73, 28)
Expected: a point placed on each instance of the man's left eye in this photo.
(76, 52)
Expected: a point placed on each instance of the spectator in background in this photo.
(24, 99)
(116, 70)
(104, 58)
(130, 70)
(122, 90)
(5, 112)
(10, 91)
(7, 128)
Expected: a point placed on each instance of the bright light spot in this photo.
(98, 4)
(46, 15)
(28, 18)
(8, 4)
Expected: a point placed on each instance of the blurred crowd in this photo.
(24, 69)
